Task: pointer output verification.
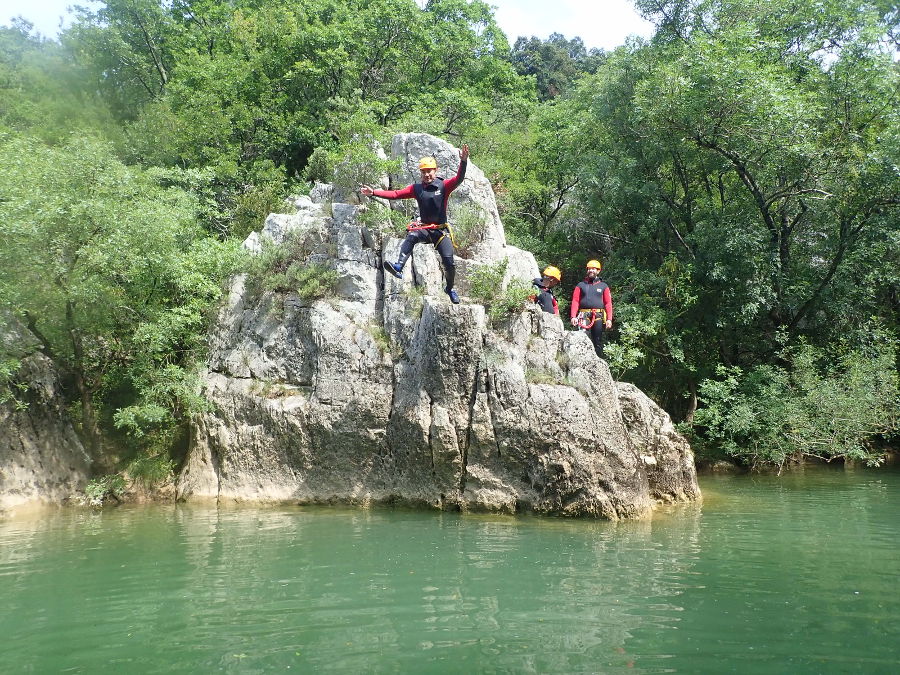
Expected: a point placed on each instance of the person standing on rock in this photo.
(545, 298)
(431, 194)
(592, 308)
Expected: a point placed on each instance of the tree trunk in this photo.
(692, 403)
(90, 430)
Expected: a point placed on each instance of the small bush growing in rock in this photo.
(540, 376)
(468, 225)
(486, 283)
(415, 300)
(285, 268)
(311, 281)
(272, 389)
(150, 469)
(383, 340)
(11, 389)
(104, 488)
(491, 358)
(266, 267)
(386, 221)
(380, 337)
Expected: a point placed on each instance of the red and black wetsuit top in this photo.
(592, 295)
(545, 297)
(432, 198)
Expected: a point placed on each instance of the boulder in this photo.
(666, 455)
(385, 392)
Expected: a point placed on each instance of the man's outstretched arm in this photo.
(452, 183)
(405, 193)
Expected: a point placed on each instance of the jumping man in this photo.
(592, 306)
(431, 194)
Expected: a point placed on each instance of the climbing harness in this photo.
(418, 225)
(452, 238)
(588, 317)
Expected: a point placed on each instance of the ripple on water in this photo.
(794, 575)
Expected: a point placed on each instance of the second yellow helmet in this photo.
(554, 272)
(428, 163)
(594, 264)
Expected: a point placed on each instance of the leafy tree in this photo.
(555, 63)
(130, 44)
(42, 92)
(823, 405)
(109, 271)
(249, 90)
(544, 172)
(744, 171)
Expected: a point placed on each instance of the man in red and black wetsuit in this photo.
(592, 305)
(431, 194)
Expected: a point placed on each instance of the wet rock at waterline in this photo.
(386, 392)
(41, 458)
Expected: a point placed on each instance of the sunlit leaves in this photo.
(110, 267)
(828, 404)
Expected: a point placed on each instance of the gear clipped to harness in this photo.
(588, 317)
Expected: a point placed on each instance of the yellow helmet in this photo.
(428, 163)
(553, 272)
(594, 264)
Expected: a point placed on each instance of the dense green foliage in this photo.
(737, 174)
(108, 268)
(248, 90)
(555, 63)
(43, 93)
(743, 178)
(814, 406)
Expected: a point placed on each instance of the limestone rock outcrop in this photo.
(668, 459)
(386, 392)
(41, 458)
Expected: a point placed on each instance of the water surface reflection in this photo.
(746, 579)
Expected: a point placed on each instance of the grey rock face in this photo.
(386, 392)
(41, 458)
(665, 453)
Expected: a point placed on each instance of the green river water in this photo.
(797, 574)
